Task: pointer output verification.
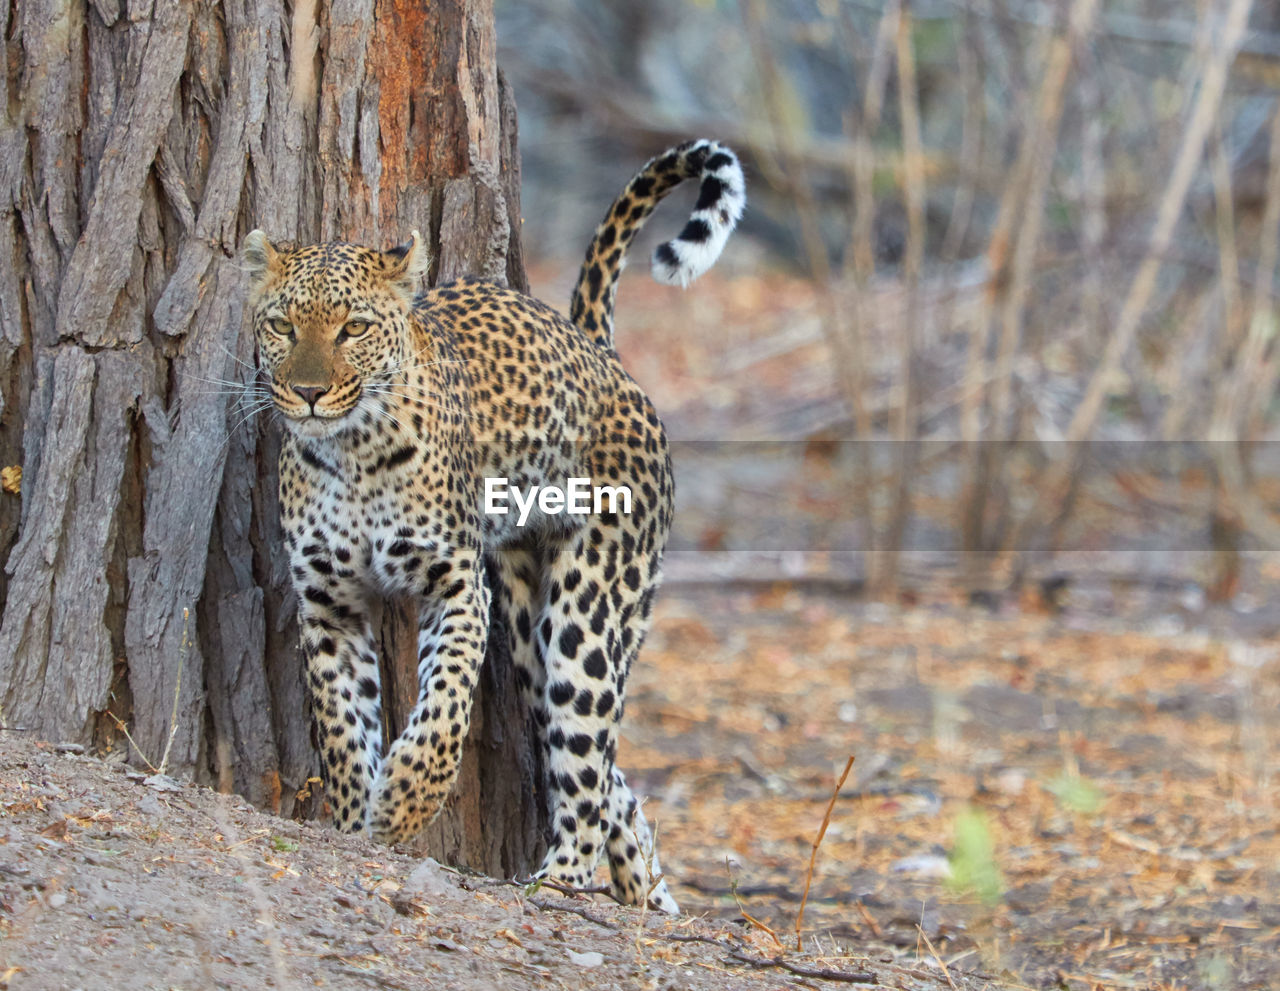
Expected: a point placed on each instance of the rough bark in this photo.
(141, 143)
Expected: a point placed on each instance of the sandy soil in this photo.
(1070, 800)
(112, 880)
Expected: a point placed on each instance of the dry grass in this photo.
(1130, 793)
(817, 842)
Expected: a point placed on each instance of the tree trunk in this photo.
(145, 582)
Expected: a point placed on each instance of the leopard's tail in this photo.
(676, 262)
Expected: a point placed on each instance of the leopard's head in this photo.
(332, 325)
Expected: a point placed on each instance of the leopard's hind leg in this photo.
(633, 853)
(517, 599)
(599, 592)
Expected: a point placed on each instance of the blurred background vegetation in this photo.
(1003, 308)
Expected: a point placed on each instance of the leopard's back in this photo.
(545, 402)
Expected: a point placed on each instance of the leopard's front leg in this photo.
(422, 764)
(342, 672)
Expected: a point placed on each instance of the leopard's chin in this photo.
(315, 427)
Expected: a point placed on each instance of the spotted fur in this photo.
(721, 198)
(397, 409)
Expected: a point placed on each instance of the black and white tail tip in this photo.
(721, 199)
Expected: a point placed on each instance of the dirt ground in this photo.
(1036, 801)
(109, 879)
(1062, 801)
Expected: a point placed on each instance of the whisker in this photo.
(378, 409)
(404, 386)
(392, 393)
(262, 399)
(439, 361)
(236, 358)
(423, 400)
(221, 381)
(436, 361)
(391, 412)
(240, 394)
(230, 386)
(221, 453)
(249, 414)
(227, 385)
(401, 391)
(413, 365)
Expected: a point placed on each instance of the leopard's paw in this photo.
(404, 800)
(563, 867)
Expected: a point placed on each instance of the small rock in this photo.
(69, 748)
(162, 782)
(429, 878)
(57, 899)
(14, 870)
(588, 959)
(151, 805)
(429, 882)
(1027, 899)
(923, 865)
(1011, 781)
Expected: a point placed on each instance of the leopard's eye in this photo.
(354, 328)
(281, 327)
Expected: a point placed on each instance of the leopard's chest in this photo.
(383, 529)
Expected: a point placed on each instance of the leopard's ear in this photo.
(260, 258)
(407, 263)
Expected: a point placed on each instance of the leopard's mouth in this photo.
(316, 412)
(319, 422)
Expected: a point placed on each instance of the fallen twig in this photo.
(869, 919)
(581, 910)
(693, 938)
(929, 943)
(735, 953)
(813, 855)
(568, 889)
(849, 976)
(733, 890)
(382, 979)
(134, 743)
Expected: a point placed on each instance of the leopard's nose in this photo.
(310, 393)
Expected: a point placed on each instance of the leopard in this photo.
(398, 403)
